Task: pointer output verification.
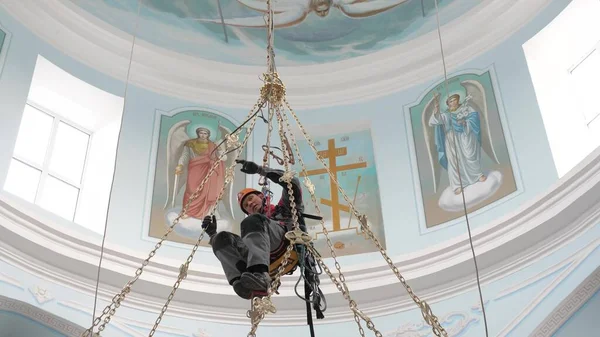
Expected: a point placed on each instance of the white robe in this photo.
(467, 148)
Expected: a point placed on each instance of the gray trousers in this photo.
(260, 236)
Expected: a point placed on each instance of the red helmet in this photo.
(243, 194)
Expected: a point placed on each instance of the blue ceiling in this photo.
(349, 28)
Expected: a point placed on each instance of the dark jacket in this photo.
(282, 211)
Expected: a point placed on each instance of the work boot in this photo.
(242, 291)
(257, 282)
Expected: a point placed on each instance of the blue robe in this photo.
(468, 144)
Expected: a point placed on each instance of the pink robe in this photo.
(198, 168)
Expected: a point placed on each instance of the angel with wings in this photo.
(288, 13)
(189, 161)
(455, 137)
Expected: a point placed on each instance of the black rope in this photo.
(259, 109)
(309, 319)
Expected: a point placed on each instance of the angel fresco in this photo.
(189, 161)
(293, 12)
(456, 136)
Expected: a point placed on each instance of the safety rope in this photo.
(462, 190)
(115, 164)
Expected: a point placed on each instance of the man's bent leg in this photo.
(232, 253)
(256, 237)
(255, 234)
(276, 235)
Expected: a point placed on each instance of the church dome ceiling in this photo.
(307, 31)
(182, 50)
(178, 44)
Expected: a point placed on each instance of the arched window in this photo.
(564, 62)
(64, 156)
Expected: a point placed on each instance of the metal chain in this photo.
(274, 92)
(426, 311)
(258, 305)
(289, 174)
(110, 309)
(360, 328)
(270, 39)
(343, 288)
(268, 143)
(229, 176)
(311, 190)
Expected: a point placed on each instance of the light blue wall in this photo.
(584, 322)
(16, 325)
(392, 150)
(390, 139)
(526, 131)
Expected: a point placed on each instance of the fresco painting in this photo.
(460, 147)
(188, 147)
(348, 151)
(307, 31)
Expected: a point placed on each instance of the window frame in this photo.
(595, 48)
(44, 168)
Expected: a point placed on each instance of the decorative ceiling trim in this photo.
(99, 45)
(569, 306)
(557, 274)
(41, 316)
(437, 273)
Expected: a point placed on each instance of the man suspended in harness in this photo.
(246, 260)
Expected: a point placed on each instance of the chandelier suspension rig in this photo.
(272, 94)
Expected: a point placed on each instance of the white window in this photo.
(584, 79)
(48, 162)
(564, 64)
(65, 151)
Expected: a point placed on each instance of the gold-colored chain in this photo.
(265, 94)
(116, 301)
(426, 311)
(340, 280)
(268, 142)
(273, 91)
(260, 305)
(343, 288)
(229, 176)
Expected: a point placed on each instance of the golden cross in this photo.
(332, 153)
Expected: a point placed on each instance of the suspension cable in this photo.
(462, 190)
(117, 150)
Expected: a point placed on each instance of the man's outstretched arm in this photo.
(274, 175)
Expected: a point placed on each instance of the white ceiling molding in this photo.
(504, 246)
(557, 273)
(100, 46)
(575, 300)
(41, 316)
